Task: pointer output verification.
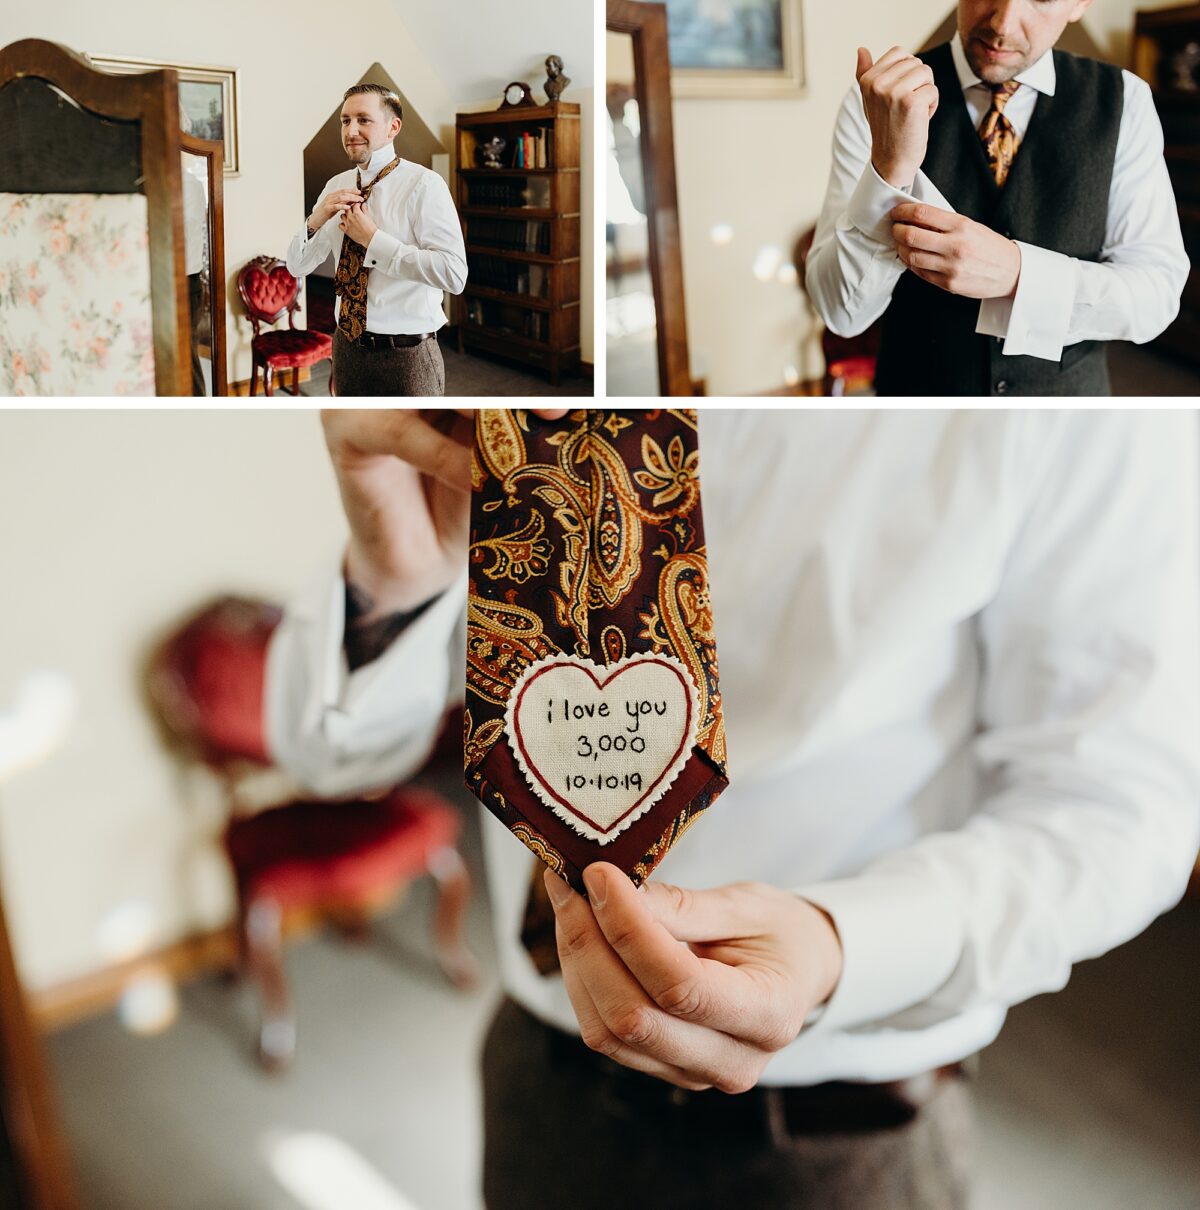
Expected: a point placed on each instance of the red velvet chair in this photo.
(269, 292)
(849, 360)
(307, 860)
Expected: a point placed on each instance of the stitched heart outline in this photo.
(600, 677)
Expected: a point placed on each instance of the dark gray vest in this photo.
(1055, 197)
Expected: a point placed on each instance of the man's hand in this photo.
(358, 224)
(707, 1013)
(337, 202)
(899, 97)
(954, 252)
(405, 481)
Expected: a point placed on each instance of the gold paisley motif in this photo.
(517, 556)
(502, 641)
(539, 845)
(477, 741)
(498, 440)
(680, 622)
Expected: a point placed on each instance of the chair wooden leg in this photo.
(268, 380)
(331, 377)
(450, 915)
(295, 380)
(263, 930)
(254, 377)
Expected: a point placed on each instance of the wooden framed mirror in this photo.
(204, 261)
(646, 329)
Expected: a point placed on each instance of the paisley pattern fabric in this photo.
(1000, 140)
(350, 279)
(587, 539)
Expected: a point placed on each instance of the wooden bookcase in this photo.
(521, 228)
(1160, 39)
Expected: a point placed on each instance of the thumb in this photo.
(865, 63)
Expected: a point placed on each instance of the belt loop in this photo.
(776, 1111)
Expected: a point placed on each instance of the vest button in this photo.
(1002, 387)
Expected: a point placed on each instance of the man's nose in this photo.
(1005, 19)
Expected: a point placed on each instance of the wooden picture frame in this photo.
(199, 86)
(727, 59)
(647, 25)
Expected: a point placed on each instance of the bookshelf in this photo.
(1166, 54)
(521, 228)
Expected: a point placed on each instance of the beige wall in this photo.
(761, 167)
(116, 525)
(293, 68)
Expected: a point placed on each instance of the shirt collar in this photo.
(381, 157)
(1041, 76)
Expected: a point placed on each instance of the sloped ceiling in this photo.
(478, 46)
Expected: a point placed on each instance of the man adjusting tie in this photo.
(393, 228)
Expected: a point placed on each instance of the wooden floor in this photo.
(1090, 1100)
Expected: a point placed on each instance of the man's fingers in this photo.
(921, 214)
(405, 435)
(905, 75)
(734, 1000)
(598, 1037)
(908, 235)
(631, 1017)
(865, 63)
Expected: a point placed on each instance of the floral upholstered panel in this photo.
(75, 313)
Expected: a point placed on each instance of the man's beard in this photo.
(989, 71)
(358, 155)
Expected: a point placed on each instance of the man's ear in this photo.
(399, 123)
(1081, 7)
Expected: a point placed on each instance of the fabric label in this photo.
(600, 744)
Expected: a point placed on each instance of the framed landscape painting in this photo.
(208, 97)
(732, 48)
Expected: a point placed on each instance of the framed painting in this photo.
(736, 48)
(208, 97)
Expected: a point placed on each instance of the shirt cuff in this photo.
(383, 248)
(873, 200)
(1034, 322)
(899, 945)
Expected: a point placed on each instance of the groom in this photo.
(393, 229)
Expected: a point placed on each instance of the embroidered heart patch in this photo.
(600, 745)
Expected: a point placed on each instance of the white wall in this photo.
(116, 525)
(761, 166)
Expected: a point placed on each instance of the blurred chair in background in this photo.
(303, 861)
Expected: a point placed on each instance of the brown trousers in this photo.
(565, 1127)
(358, 370)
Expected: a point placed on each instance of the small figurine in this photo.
(492, 150)
(555, 80)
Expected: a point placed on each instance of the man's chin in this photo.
(358, 155)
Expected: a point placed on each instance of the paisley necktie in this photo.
(1000, 140)
(593, 726)
(350, 280)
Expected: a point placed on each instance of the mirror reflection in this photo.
(631, 321)
(197, 244)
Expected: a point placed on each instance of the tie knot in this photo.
(1002, 94)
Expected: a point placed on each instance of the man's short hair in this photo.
(385, 94)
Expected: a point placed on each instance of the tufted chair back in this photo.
(268, 291)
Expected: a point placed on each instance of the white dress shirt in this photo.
(416, 253)
(1132, 293)
(961, 680)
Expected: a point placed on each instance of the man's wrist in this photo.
(368, 632)
(899, 178)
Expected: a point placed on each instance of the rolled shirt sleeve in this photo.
(339, 732)
(1090, 709)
